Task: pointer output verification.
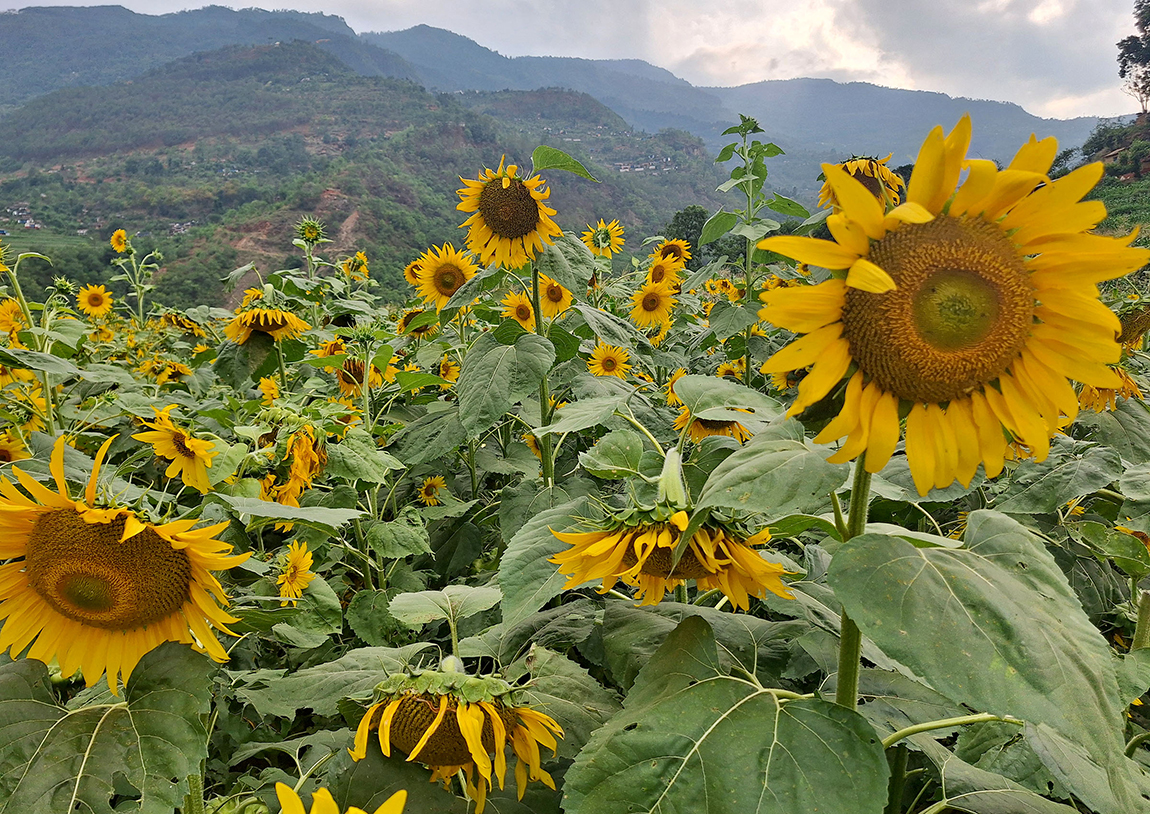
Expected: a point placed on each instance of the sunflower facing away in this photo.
(190, 456)
(652, 304)
(554, 299)
(428, 718)
(94, 300)
(970, 309)
(1100, 399)
(276, 323)
(269, 391)
(97, 588)
(296, 573)
(603, 239)
(442, 270)
(429, 490)
(510, 221)
(717, 556)
(517, 306)
(873, 174)
(700, 428)
(323, 803)
(609, 360)
(350, 377)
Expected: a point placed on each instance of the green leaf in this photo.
(1002, 749)
(608, 327)
(1125, 429)
(716, 226)
(454, 602)
(568, 262)
(319, 688)
(671, 748)
(896, 483)
(38, 362)
(357, 457)
(566, 344)
(1127, 552)
(785, 206)
(320, 610)
(582, 414)
(718, 399)
(1068, 472)
(240, 365)
(726, 153)
(549, 158)
(755, 231)
(495, 377)
(401, 537)
(367, 614)
(264, 513)
(411, 380)
(225, 464)
(434, 435)
(143, 745)
(976, 624)
(728, 319)
(615, 456)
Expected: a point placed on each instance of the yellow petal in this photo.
(1035, 156)
(884, 432)
(920, 452)
(991, 441)
(824, 253)
(290, 802)
(979, 181)
(856, 201)
(827, 372)
(848, 417)
(866, 276)
(908, 212)
(926, 178)
(806, 308)
(804, 351)
(430, 730)
(848, 234)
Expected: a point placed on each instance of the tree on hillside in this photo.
(1134, 57)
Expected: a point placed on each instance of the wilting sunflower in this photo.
(603, 239)
(672, 399)
(420, 332)
(448, 369)
(429, 490)
(295, 574)
(677, 251)
(305, 459)
(442, 270)
(323, 803)
(190, 456)
(12, 448)
(700, 428)
(181, 323)
(11, 317)
(652, 304)
(609, 360)
(350, 377)
(429, 717)
(663, 271)
(274, 322)
(97, 588)
(718, 556)
(554, 299)
(510, 222)
(1100, 399)
(517, 306)
(269, 391)
(873, 174)
(969, 308)
(94, 300)
(119, 241)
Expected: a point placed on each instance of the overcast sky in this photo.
(1056, 58)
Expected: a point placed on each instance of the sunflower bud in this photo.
(672, 490)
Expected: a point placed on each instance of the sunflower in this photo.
(532, 444)
(672, 399)
(269, 391)
(448, 369)
(350, 377)
(517, 306)
(334, 347)
(296, 573)
(510, 222)
(1134, 323)
(420, 332)
(11, 316)
(411, 271)
(276, 323)
(355, 267)
(453, 722)
(717, 556)
(603, 239)
(12, 448)
(873, 174)
(732, 370)
(11, 375)
(94, 300)
(310, 231)
(969, 309)
(652, 304)
(323, 803)
(554, 299)
(97, 588)
(250, 296)
(181, 323)
(305, 460)
(428, 493)
(190, 456)
(700, 428)
(677, 251)
(169, 370)
(443, 270)
(1100, 399)
(609, 360)
(663, 271)
(119, 241)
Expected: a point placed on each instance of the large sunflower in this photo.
(190, 456)
(603, 239)
(97, 588)
(510, 222)
(663, 271)
(609, 360)
(554, 299)
(652, 304)
(517, 306)
(94, 300)
(442, 270)
(276, 323)
(968, 309)
(717, 556)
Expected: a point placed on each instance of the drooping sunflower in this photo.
(672, 399)
(355, 267)
(94, 300)
(663, 271)
(554, 299)
(969, 308)
(873, 174)
(274, 322)
(652, 304)
(334, 347)
(448, 369)
(718, 556)
(11, 317)
(700, 428)
(190, 456)
(97, 588)
(323, 803)
(441, 273)
(1100, 399)
(609, 360)
(429, 490)
(269, 391)
(182, 324)
(295, 573)
(603, 239)
(510, 221)
(350, 377)
(305, 458)
(12, 448)
(119, 241)
(517, 306)
(419, 332)
(677, 251)
(430, 717)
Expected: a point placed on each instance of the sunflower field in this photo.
(854, 522)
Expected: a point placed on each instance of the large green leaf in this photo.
(608, 327)
(1072, 470)
(357, 457)
(453, 603)
(718, 399)
(437, 433)
(693, 739)
(142, 745)
(552, 158)
(495, 377)
(727, 319)
(568, 262)
(616, 455)
(582, 414)
(38, 362)
(263, 513)
(1125, 429)
(995, 626)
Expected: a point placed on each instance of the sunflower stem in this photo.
(544, 395)
(896, 756)
(471, 465)
(283, 369)
(1142, 629)
(850, 637)
(194, 799)
(681, 593)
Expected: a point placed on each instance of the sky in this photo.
(1056, 58)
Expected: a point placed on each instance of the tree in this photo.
(1134, 57)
